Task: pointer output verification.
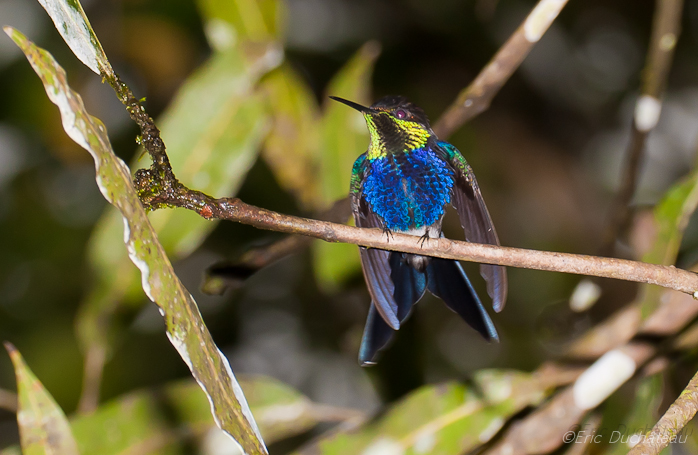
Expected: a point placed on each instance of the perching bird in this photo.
(403, 183)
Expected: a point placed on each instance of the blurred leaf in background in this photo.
(547, 153)
(213, 130)
(43, 427)
(446, 419)
(343, 137)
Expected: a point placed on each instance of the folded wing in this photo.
(476, 221)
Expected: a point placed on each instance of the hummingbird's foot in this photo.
(388, 233)
(423, 239)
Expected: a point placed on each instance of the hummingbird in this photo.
(403, 183)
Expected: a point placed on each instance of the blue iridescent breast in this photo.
(408, 190)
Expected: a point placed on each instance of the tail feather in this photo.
(447, 280)
(377, 335)
(410, 285)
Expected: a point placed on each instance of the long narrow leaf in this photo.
(185, 327)
(71, 22)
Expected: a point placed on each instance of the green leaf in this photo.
(43, 428)
(185, 327)
(213, 131)
(71, 22)
(131, 422)
(443, 419)
(291, 148)
(280, 411)
(138, 419)
(228, 22)
(343, 137)
(671, 217)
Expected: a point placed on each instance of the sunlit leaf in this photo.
(43, 428)
(71, 22)
(213, 131)
(343, 137)
(185, 328)
(229, 22)
(291, 148)
(127, 425)
(450, 418)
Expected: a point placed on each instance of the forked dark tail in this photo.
(445, 279)
(448, 281)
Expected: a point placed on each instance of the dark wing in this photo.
(375, 263)
(376, 267)
(476, 222)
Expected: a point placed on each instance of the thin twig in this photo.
(479, 94)
(671, 423)
(234, 209)
(223, 275)
(665, 33)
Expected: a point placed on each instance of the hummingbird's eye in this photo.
(400, 114)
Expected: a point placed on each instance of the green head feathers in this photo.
(395, 125)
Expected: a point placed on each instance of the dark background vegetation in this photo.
(547, 155)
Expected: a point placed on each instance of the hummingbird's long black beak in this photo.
(357, 106)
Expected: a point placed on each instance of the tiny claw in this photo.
(388, 233)
(423, 239)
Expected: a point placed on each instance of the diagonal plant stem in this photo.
(667, 429)
(477, 97)
(666, 28)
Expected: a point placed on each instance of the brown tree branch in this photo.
(477, 97)
(666, 28)
(671, 423)
(234, 209)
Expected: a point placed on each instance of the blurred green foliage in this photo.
(214, 75)
(43, 428)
